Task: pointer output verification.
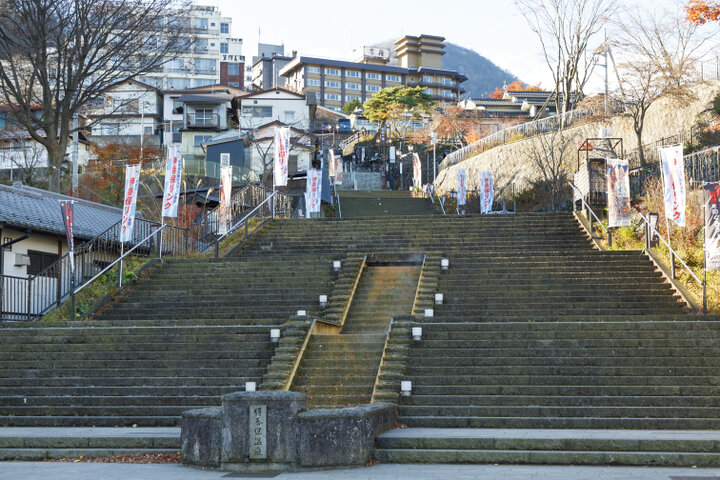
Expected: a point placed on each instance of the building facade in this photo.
(417, 62)
(210, 52)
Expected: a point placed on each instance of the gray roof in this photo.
(202, 98)
(31, 208)
(227, 136)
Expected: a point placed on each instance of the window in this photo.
(39, 261)
(201, 44)
(148, 131)
(313, 69)
(350, 98)
(224, 28)
(233, 69)
(205, 66)
(204, 116)
(332, 96)
(292, 163)
(110, 129)
(393, 78)
(352, 73)
(372, 88)
(201, 23)
(223, 47)
(427, 79)
(178, 83)
(429, 91)
(331, 84)
(2, 120)
(127, 106)
(260, 112)
(289, 117)
(332, 71)
(152, 81)
(447, 94)
(448, 81)
(234, 84)
(372, 76)
(313, 82)
(353, 86)
(199, 140)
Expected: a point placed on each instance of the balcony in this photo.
(205, 71)
(203, 120)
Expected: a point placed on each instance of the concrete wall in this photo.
(510, 165)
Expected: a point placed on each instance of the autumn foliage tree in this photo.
(515, 86)
(104, 178)
(702, 11)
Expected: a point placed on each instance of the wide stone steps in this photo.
(561, 447)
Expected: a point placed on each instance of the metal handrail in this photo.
(442, 205)
(609, 235)
(244, 220)
(673, 255)
(119, 259)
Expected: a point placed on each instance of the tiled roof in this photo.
(39, 210)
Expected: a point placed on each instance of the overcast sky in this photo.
(333, 28)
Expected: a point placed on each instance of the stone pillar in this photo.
(259, 430)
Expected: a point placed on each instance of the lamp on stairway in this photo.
(301, 313)
(439, 299)
(274, 335)
(444, 263)
(406, 388)
(323, 300)
(416, 333)
(336, 265)
(250, 386)
(429, 313)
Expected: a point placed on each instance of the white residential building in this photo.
(206, 60)
(277, 104)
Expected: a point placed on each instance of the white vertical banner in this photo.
(338, 171)
(417, 171)
(362, 154)
(392, 154)
(332, 167)
(173, 171)
(282, 149)
(673, 176)
(132, 178)
(712, 226)
(618, 191)
(461, 186)
(486, 192)
(313, 190)
(225, 192)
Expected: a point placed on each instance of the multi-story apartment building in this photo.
(211, 57)
(418, 62)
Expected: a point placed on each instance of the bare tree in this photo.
(23, 159)
(552, 155)
(566, 29)
(56, 56)
(660, 51)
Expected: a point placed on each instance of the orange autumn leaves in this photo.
(515, 86)
(702, 11)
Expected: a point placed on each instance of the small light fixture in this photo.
(439, 298)
(274, 335)
(406, 388)
(416, 333)
(336, 265)
(301, 313)
(445, 263)
(323, 300)
(249, 386)
(429, 313)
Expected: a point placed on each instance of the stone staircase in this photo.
(340, 370)
(358, 204)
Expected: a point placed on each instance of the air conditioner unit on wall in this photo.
(22, 260)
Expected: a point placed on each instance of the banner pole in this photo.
(705, 205)
(122, 251)
(162, 225)
(672, 255)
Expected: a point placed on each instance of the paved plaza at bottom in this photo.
(100, 471)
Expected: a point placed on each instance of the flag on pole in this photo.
(338, 171)
(461, 186)
(712, 225)
(673, 176)
(132, 177)
(618, 188)
(332, 167)
(282, 149)
(173, 171)
(66, 206)
(486, 192)
(225, 191)
(417, 171)
(313, 190)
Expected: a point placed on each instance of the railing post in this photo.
(29, 299)
(648, 233)
(609, 237)
(217, 247)
(672, 264)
